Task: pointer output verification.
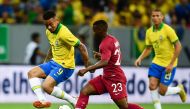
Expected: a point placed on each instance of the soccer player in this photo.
(163, 40)
(113, 80)
(61, 64)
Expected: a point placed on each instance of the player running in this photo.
(113, 80)
(164, 41)
(61, 64)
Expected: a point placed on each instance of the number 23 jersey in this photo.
(110, 51)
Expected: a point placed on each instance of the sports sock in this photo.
(172, 90)
(35, 84)
(82, 101)
(156, 99)
(57, 92)
(134, 106)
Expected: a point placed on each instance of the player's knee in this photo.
(47, 88)
(31, 74)
(84, 91)
(153, 86)
(162, 91)
(122, 105)
(125, 106)
(36, 72)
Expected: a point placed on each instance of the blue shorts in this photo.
(56, 71)
(160, 73)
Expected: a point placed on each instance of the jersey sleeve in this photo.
(147, 40)
(172, 35)
(69, 38)
(105, 51)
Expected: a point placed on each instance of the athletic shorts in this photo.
(56, 71)
(160, 73)
(117, 90)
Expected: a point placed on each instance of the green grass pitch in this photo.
(91, 106)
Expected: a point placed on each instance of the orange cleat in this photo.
(41, 104)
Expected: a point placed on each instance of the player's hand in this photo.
(82, 72)
(97, 55)
(137, 62)
(169, 68)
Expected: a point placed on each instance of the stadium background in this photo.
(128, 21)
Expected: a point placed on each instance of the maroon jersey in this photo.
(110, 51)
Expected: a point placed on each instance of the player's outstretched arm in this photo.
(144, 54)
(49, 55)
(84, 53)
(98, 65)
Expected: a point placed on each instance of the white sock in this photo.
(35, 84)
(172, 90)
(156, 99)
(57, 92)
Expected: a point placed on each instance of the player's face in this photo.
(157, 17)
(37, 39)
(98, 32)
(51, 25)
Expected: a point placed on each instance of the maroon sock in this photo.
(82, 101)
(134, 106)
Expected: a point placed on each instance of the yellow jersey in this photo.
(62, 43)
(162, 40)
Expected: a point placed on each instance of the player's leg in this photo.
(118, 93)
(153, 86)
(93, 87)
(165, 89)
(34, 76)
(123, 104)
(154, 76)
(86, 91)
(57, 75)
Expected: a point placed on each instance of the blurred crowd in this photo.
(85, 12)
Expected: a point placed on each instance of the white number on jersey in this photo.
(117, 87)
(118, 52)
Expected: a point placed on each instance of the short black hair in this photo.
(101, 23)
(48, 15)
(34, 36)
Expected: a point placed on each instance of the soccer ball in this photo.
(64, 107)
